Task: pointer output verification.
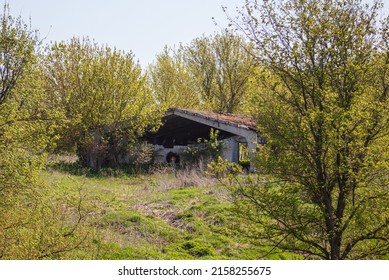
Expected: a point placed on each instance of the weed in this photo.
(178, 215)
(197, 249)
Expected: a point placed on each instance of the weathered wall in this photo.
(230, 150)
(162, 152)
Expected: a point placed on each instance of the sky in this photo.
(143, 27)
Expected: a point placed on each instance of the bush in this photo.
(220, 168)
(141, 156)
(39, 227)
(204, 150)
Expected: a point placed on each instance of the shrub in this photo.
(204, 149)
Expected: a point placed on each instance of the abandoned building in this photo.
(182, 127)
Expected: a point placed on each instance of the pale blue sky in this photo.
(141, 26)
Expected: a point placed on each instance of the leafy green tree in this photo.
(323, 188)
(105, 97)
(212, 73)
(222, 66)
(172, 82)
(27, 123)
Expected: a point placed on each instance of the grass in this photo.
(163, 215)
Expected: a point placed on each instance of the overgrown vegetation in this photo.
(32, 225)
(205, 150)
(160, 215)
(324, 113)
(313, 73)
(211, 73)
(104, 97)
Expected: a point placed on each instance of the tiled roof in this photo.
(233, 119)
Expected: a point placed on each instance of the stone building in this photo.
(182, 127)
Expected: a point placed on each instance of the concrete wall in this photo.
(243, 134)
(230, 150)
(162, 152)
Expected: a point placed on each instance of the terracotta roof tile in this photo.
(234, 119)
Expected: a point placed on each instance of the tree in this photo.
(212, 73)
(105, 98)
(222, 66)
(27, 123)
(323, 188)
(172, 82)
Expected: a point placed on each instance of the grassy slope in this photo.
(158, 216)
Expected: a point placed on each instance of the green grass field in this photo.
(161, 215)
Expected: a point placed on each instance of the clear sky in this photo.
(141, 26)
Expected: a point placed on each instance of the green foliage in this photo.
(171, 81)
(33, 224)
(24, 119)
(36, 226)
(141, 156)
(105, 99)
(197, 249)
(220, 168)
(212, 73)
(323, 113)
(222, 67)
(22, 138)
(204, 149)
(155, 216)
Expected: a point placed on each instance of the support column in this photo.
(234, 151)
(252, 142)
